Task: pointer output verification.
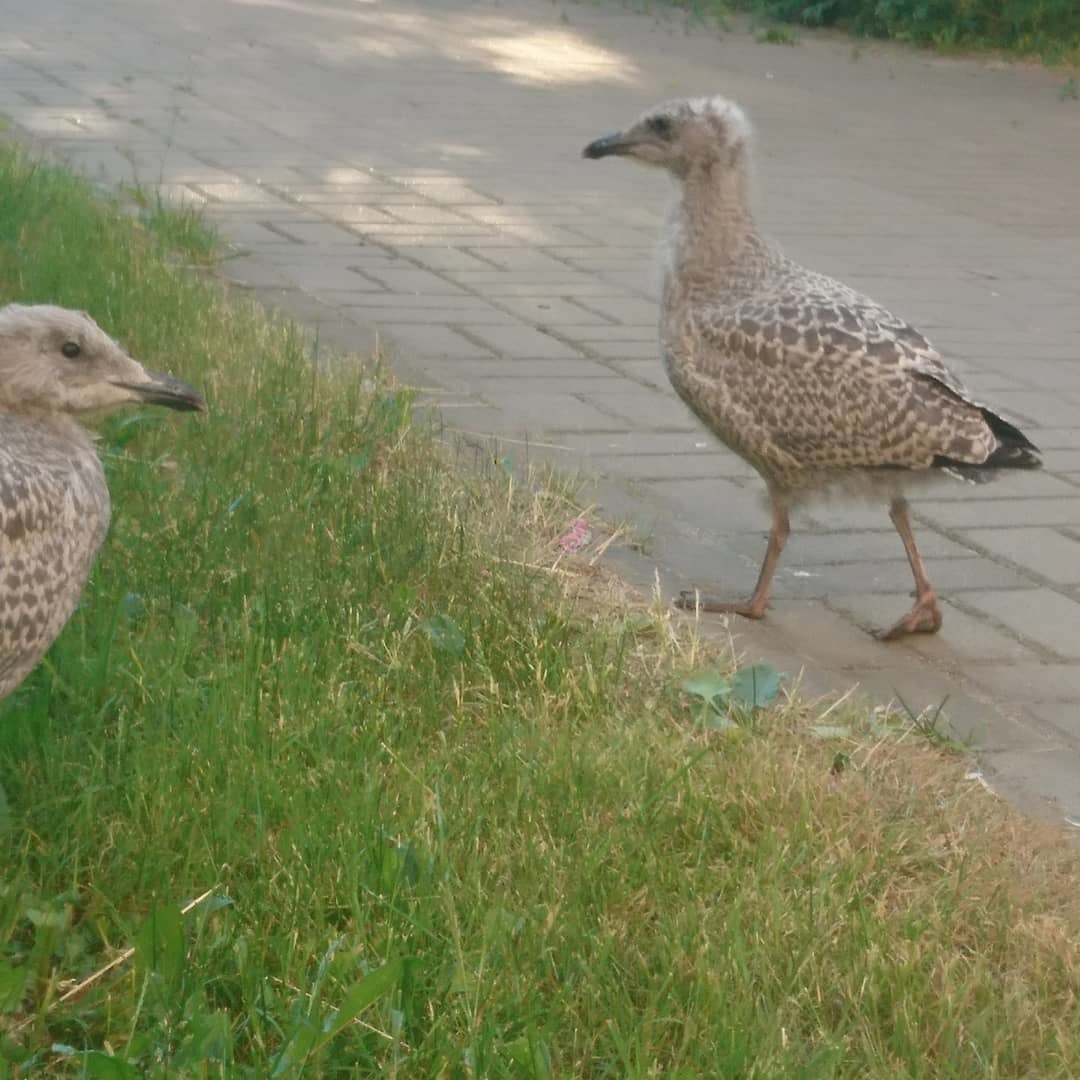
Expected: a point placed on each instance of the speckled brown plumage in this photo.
(814, 384)
(54, 504)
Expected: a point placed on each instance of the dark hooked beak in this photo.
(609, 144)
(165, 390)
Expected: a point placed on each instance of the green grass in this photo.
(453, 821)
(777, 35)
(1047, 29)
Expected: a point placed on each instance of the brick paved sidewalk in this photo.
(413, 169)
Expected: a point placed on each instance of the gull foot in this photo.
(923, 618)
(691, 600)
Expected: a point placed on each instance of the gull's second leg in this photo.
(754, 608)
(925, 616)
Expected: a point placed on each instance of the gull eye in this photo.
(70, 349)
(661, 125)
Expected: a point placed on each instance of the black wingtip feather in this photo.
(1008, 434)
(1014, 451)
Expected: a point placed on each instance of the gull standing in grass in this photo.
(54, 505)
(815, 385)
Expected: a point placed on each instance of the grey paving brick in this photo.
(626, 310)
(607, 332)
(1046, 552)
(556, 311)
(951, 577)
(414, 280)
(1031, 684)
(643, 467)
(973, 513)
(716, 506)
(497, 283)
(478, 372)
(1012, 483)
(822, 549)
(962, 638)
(464, 314)
(1063, 717)
(1044, 617)
(626, 350)
(552, 413)
(324, 234)
(448, 258)
(431, 340)
(653, 410)
(519, 340)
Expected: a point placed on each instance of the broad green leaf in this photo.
(12, 986)
(101, 1066)
(362, 994)
(209, 1039)
(708, 685)
(715, 720)
(159, 945)
(446, 636)
(300, 1044)
(358, 462)
(532, 1055)
(215, 903)
(398, 865)
(756, 687)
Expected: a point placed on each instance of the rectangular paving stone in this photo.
(463, 315)
(951, 577)
(646, 442)
(255, 273)
(318, 274)
(496, 283)
(415, 281)
(418, 340)
(962, 636)
(694, 466)
(626, 310)
(546, 235)
(321, 233)
(518, 340)
(1030, 684)
(973, 513)
(421, 214)
(808, 548)
(555, 311)
(238, 191)
(538, 380)
(1040, 615)
(1063, 718)
(553, 413)
(609, 333)
(1059, 438)
(1009, 483)
(649, 371)
(626, 350)
(720, 506)
(651, 409)
(516, 258)
(1043, 551)
(1041, 408)
(523, 371)
(448, 258)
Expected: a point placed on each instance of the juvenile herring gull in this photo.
(54, 505)
(814, 384)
